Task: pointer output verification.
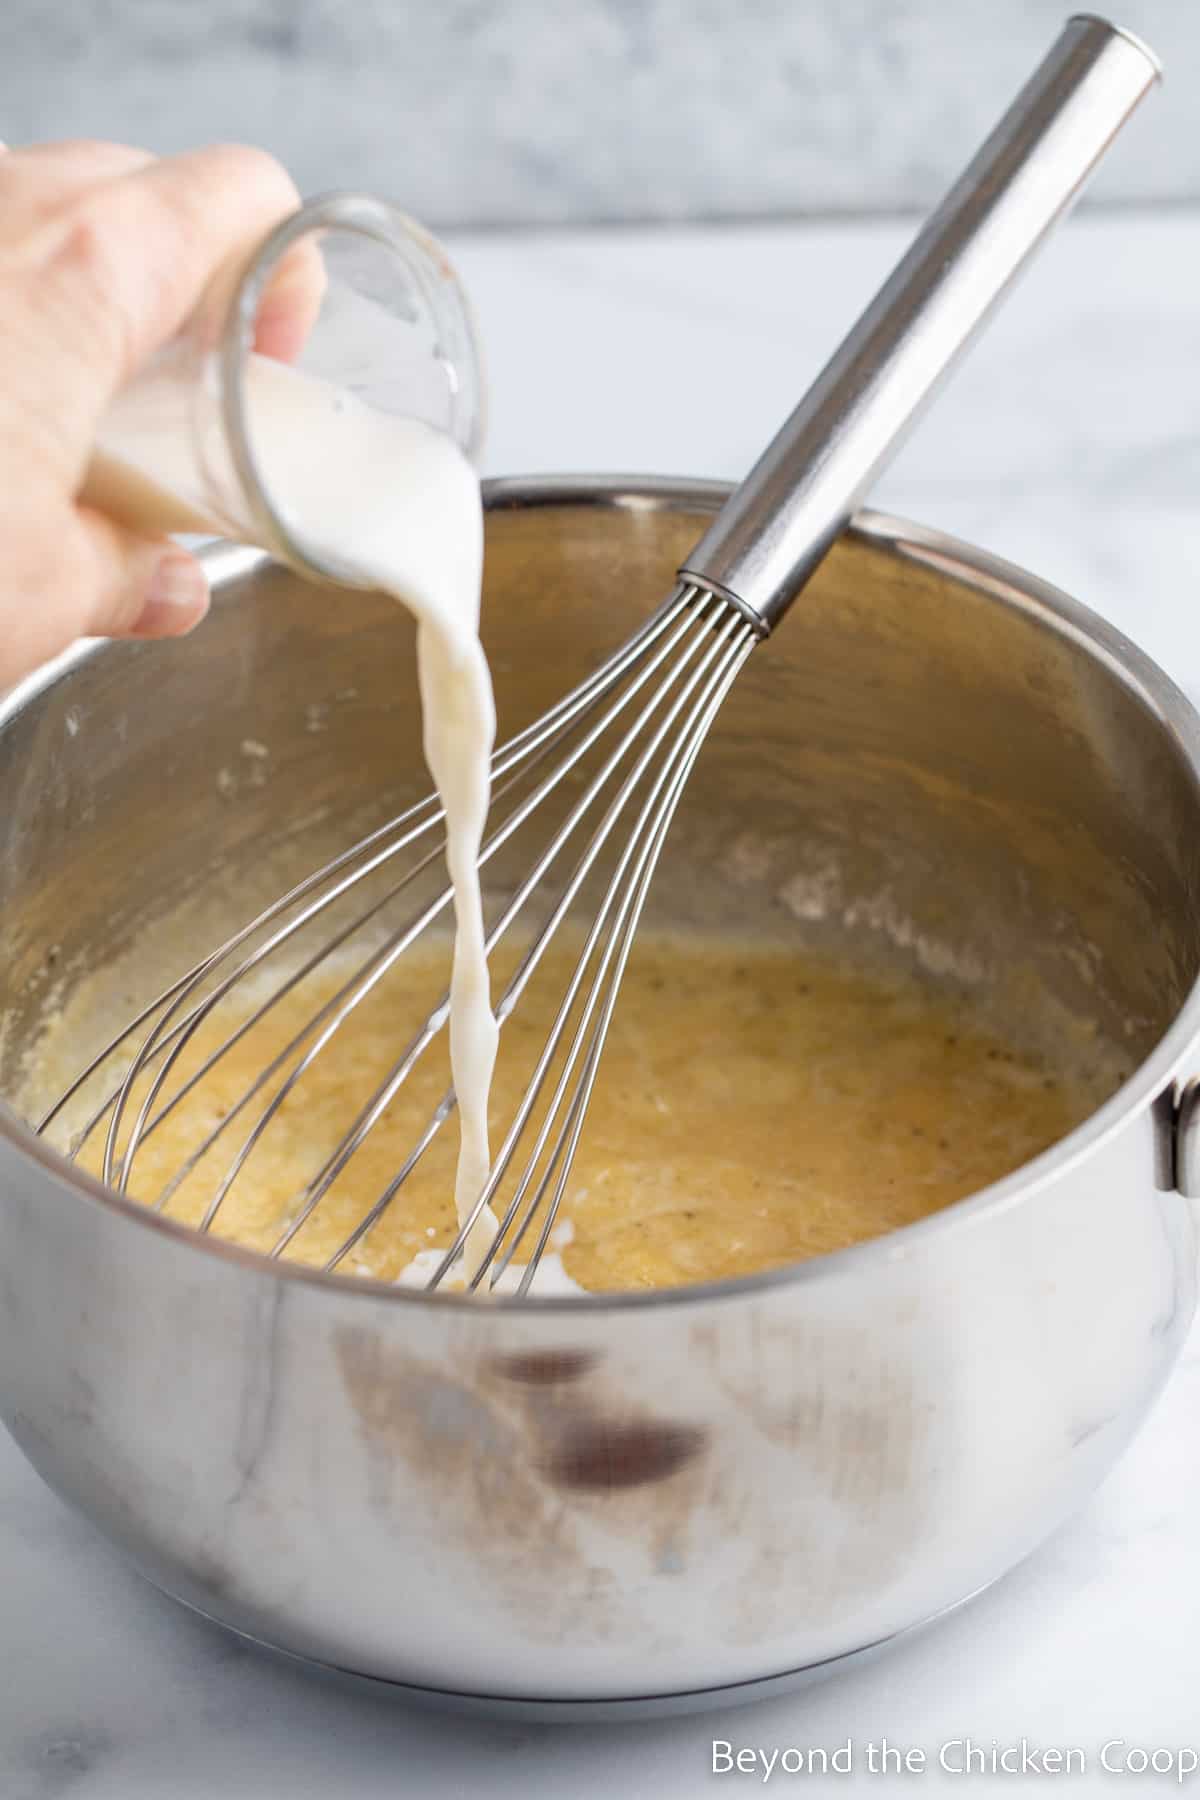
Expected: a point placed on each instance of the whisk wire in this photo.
(391, 1085)
(378, 966)
(535, 746)
(426, 813)
(635, 854)
(582, 1100)
(659, 694)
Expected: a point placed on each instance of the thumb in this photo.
(130, 585)
(83, 575)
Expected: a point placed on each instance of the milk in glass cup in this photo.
(347, 304)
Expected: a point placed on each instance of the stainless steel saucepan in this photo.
(657, 1499)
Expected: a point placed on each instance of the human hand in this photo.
(105, 251)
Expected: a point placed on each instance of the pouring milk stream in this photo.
(397, 501)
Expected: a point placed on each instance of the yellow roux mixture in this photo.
(753, 1107)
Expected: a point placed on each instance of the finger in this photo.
(131, 585)
(81, 155)
(120, 270)
(111, 581)
(287, 308)
(291, 303)
(36, 179)
(84, 576)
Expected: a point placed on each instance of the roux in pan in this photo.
(754, 1106)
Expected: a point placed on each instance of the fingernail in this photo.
(176, 599)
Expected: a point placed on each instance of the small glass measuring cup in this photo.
(382, 317)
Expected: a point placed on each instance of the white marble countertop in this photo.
(1069, 442)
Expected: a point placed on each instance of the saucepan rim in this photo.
(975, 568)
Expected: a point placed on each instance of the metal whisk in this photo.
(620, 748)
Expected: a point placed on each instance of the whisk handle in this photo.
(775, 529)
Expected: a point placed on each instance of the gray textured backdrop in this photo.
(519, 111)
